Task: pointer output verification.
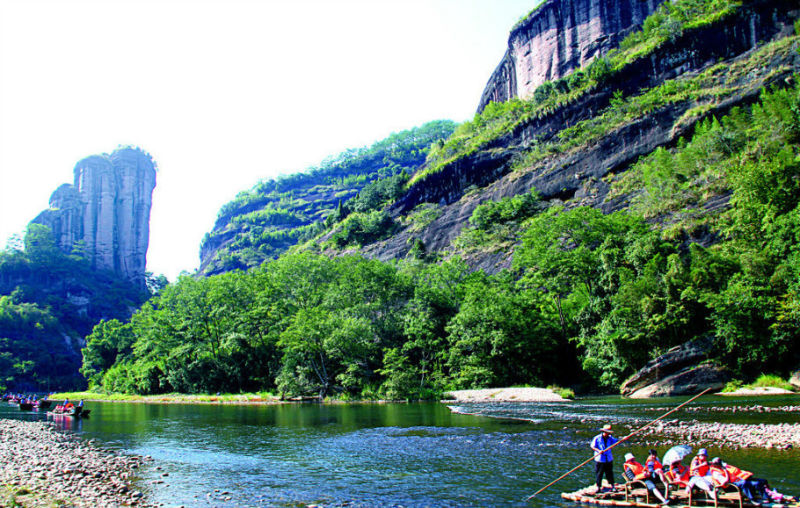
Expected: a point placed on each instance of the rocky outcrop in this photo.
(681, 370)
(559, 37)
(795, 379)
(579, 177)
(688, 381)
(106, 211)
(674, 360)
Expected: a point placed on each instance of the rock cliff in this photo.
(106, 211)
(579, 177)
(559, 37)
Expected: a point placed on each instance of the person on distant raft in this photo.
(603, 459)
(633, 470)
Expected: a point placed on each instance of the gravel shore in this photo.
(781, 436)
(44, 467)
(505, 395)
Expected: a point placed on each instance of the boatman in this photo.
(603, 459)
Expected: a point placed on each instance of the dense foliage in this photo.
(590, 297)
(265, 221)
(49, 301)
(306, 324)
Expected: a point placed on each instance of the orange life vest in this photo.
(678, 474)
(654, 461)
(719, 475)
(637, 469)
(737, 474)
(698, 468)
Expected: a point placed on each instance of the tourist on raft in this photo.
(679, 474)
(752, 487)
(633, 470)
(654, 466)
(603, 459)
(699, 472)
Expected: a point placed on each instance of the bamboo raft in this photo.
(638, 496)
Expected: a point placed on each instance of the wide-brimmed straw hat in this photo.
(607, 428)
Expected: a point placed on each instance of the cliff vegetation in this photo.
(49, 301)
(263, 222)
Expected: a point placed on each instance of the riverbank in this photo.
(44, 467)
(172, 398)
(504, 395)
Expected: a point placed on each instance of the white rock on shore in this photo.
(505, 395)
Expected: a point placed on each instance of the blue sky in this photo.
(224, 93)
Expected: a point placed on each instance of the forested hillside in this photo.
(50, 301)
(620, 211)
(274, 215)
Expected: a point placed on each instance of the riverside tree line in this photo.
(589, 299)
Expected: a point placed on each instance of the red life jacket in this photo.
(719, 475)
(698, 467)
(637, 469)
(678, 474)
(654, 461)
(737, 474)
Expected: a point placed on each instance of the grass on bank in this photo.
(169, 397)
(763, 381)
(566, 393)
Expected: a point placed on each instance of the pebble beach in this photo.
(782, 436)
(41, 466)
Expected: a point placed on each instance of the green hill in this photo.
(265, 221)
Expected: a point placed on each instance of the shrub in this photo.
(566, 393)
(771, 381)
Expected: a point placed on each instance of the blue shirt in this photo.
(602, 444)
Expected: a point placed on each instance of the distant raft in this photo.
(635, 495)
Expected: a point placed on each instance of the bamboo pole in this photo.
(615, 444)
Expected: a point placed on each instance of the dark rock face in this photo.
(559, 37)
(107, 210)
(680, 371)
(690, 380)
(674, 360)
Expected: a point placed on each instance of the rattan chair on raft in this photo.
(729, 493)
(633, 489)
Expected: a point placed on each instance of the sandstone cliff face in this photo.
(559, 37)
(108, 210)
(577, 177)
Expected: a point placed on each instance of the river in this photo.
(419, 454)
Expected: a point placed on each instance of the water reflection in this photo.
(376, 454)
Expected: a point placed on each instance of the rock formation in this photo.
(559, 37)
(580, 177)
(106, 212)
(681, 370)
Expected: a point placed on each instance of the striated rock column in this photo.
(108, 209)
(65, 217)
(559, 37)
(135, 180)
(94, 179)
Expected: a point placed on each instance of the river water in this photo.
(420, 454)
